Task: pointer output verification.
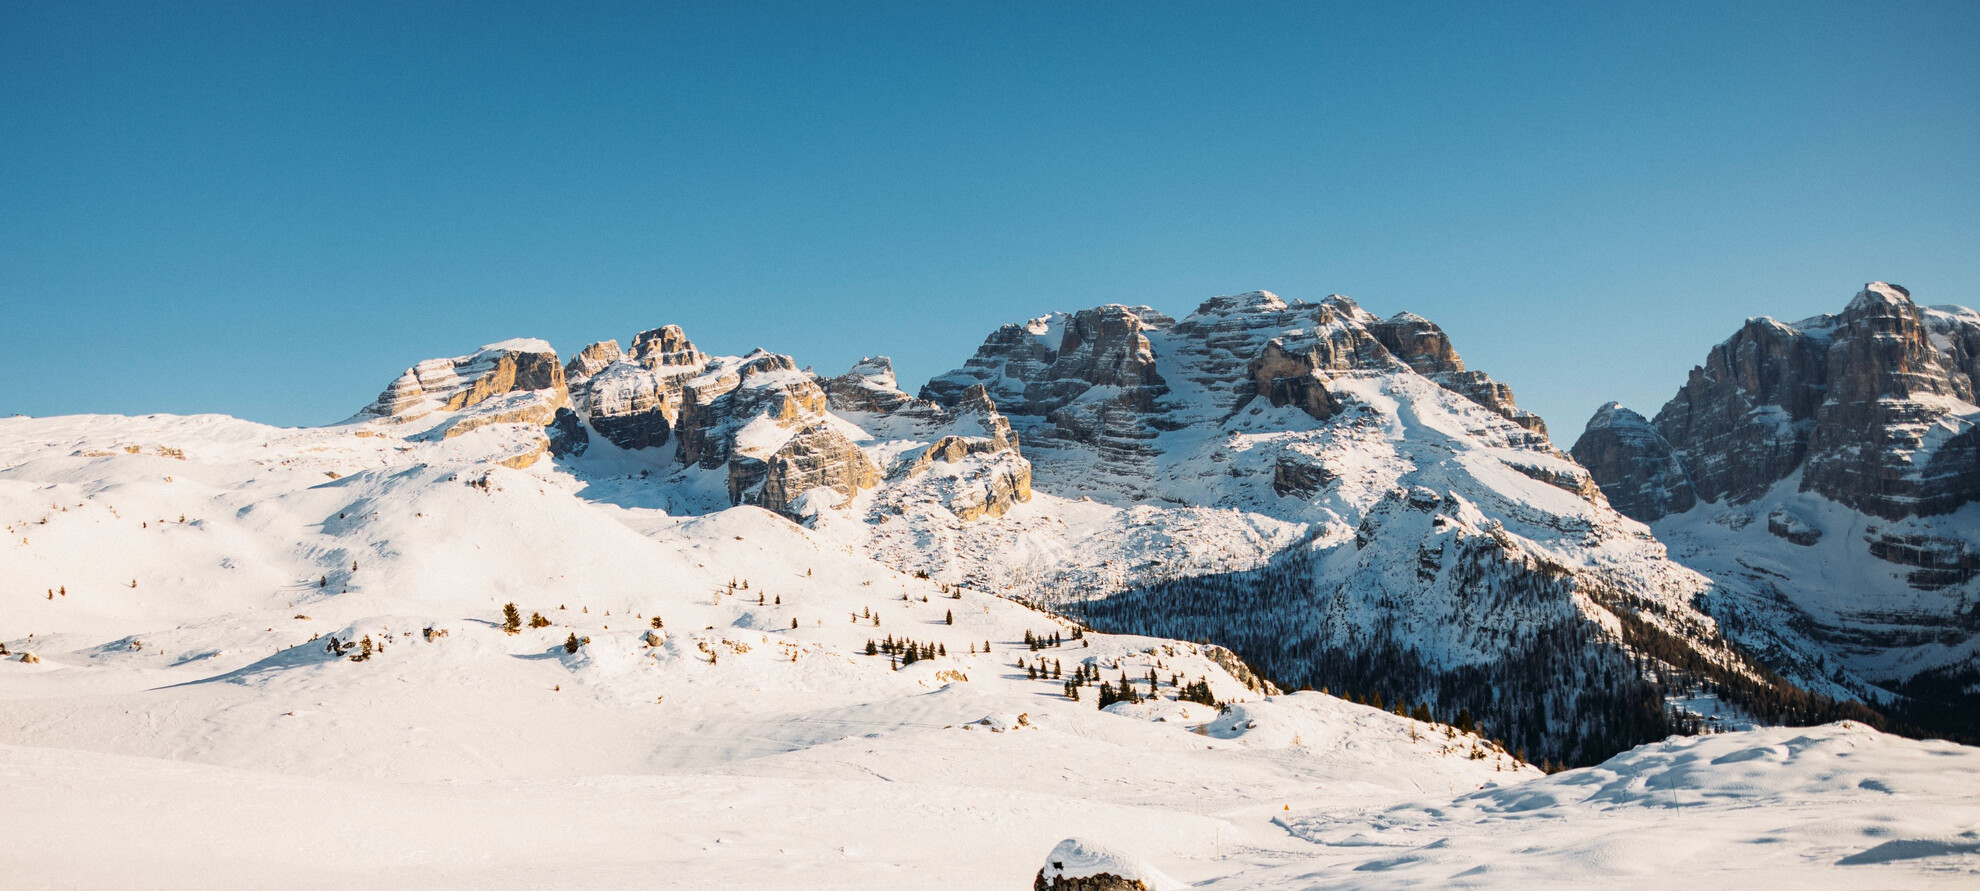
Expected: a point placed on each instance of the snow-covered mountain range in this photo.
(1824, 475)
(773, 626)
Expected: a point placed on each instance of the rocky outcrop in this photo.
(512, 382)
(1115, 379)
(817, 457)
(973, 471)
(1288, 379)
(1635, 466)
(666, 347)
(1874, 407)
(869, 387)
(1937, 562)
(717, 405)
(1007, 364)
(1861, 420)
(1786, 525)
(1880, 441)
(1078, 864)
(464, 382)
(567, 435)
(1424, 347)
(1297, 475)
(634, 400)
(765, 421)
(1106, 347)
(1044, 365)
(1230, 662)
(591, 360)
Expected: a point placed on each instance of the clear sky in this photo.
(270, 209)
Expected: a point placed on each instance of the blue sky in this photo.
(271, 209)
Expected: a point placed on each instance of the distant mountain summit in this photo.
(1829, 469)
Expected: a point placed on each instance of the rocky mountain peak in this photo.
(1872, 406)
(512, 382)
(868, 387)
(666, 346)
(1880, 298)
(461, 382)
(1646, 478)
(1240, 304)
(591, 360)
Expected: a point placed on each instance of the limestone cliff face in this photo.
(766, 421)
(1874, 407)
(977, 471)
(463, 382)
(816, 457)
(869, 387)
(1635, 465)
(502, 385)
(634, 399)
(666, 347)
(1823, 472)
(1115, 379)
(1896, 435)
(591, 360)
(1422, 345)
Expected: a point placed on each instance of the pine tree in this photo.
(948, 617)
(657, 623)
(872, 649)
(536, 620)
(572, 643)
(511, 619)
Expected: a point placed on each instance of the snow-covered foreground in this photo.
(1838, 806)
(183, 721)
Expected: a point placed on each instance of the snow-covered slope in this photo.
(1838, 806)
(237, 655)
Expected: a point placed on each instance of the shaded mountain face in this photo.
(1331, 493)
(1874, 407)
(1825, 473)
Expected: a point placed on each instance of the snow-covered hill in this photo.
(774, 628)
(177, 714)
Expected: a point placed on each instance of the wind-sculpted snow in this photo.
(1838, 806)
